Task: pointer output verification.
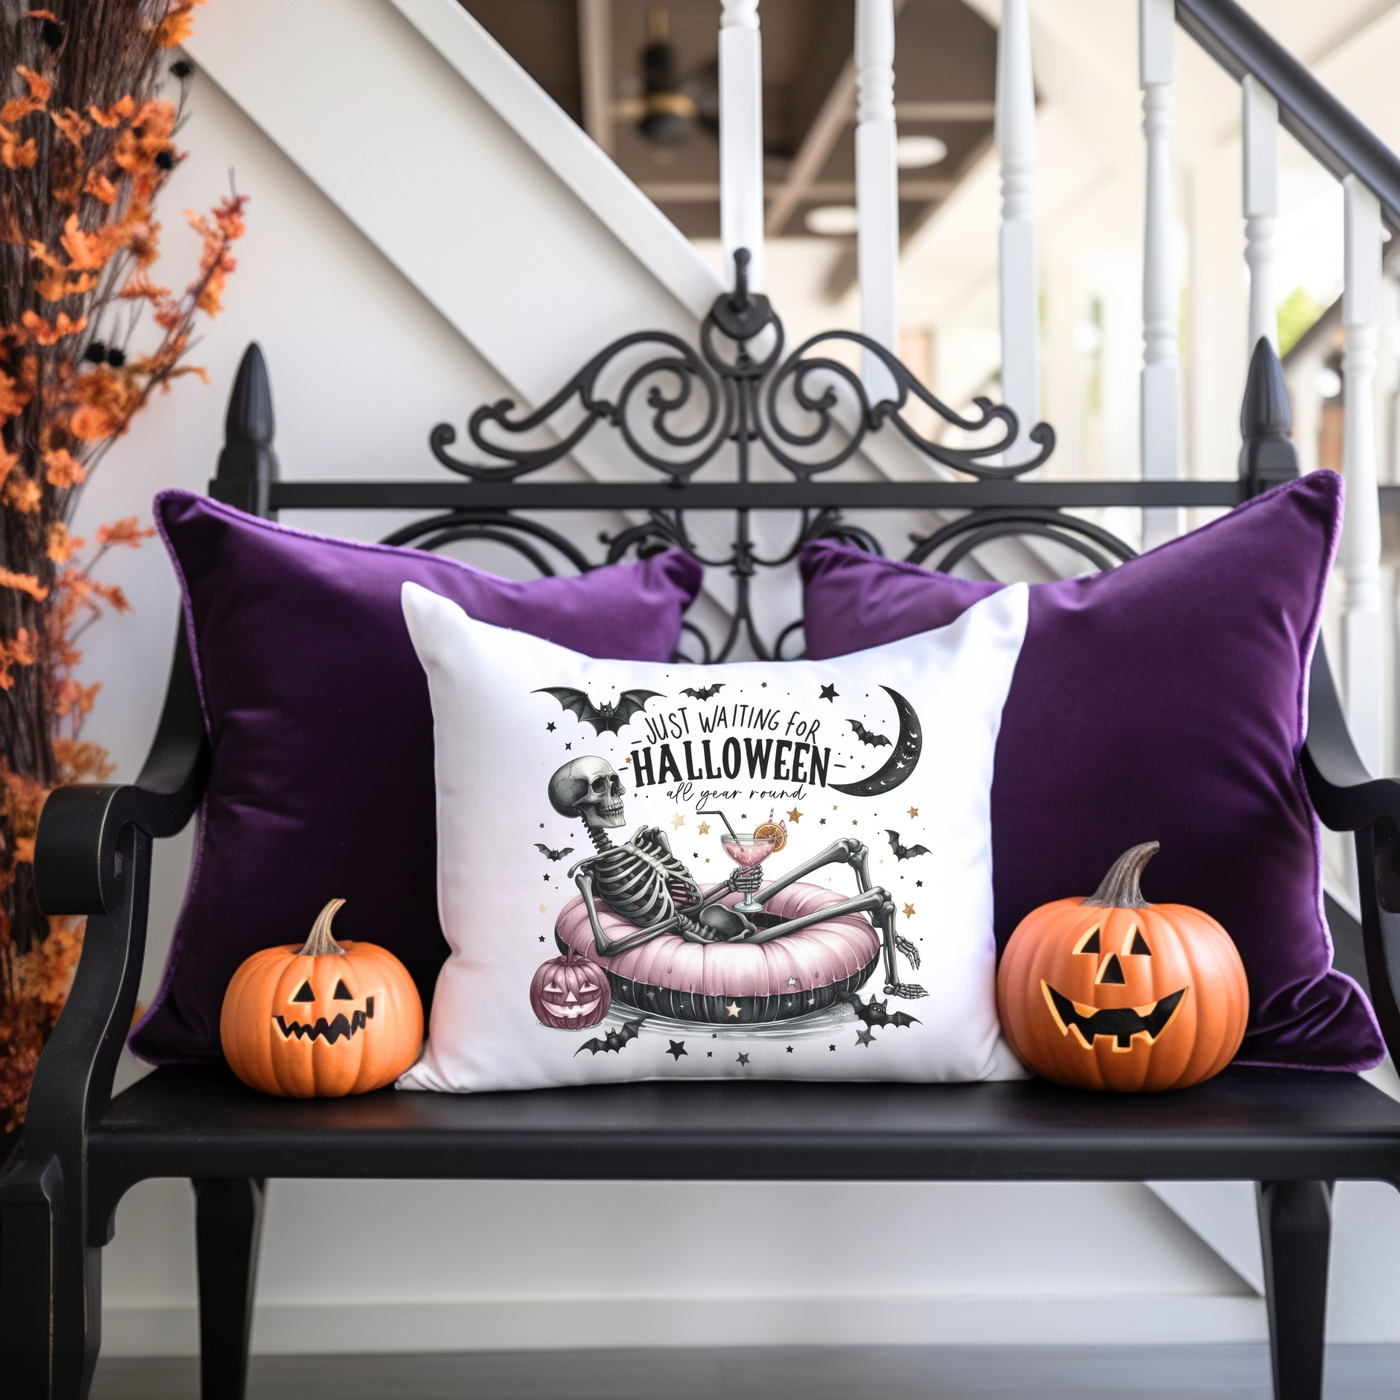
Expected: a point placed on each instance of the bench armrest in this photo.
(76, 866)
(93, 856)
(1347, 798)
(1344, 794)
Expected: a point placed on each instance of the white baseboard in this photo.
(531, 1324)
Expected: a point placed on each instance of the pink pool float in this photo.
(734, 983)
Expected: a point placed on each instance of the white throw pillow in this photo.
(547, 760)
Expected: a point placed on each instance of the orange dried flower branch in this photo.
(88, 132)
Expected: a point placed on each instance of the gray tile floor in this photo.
(774, 1373)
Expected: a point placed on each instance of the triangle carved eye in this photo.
(1140, 944)
(342, 992)
(1090, 944)
(304, 993)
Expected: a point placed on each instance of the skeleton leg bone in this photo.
(848, 851)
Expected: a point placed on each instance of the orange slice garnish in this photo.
(771, 831)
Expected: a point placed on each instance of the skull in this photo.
(588, 788)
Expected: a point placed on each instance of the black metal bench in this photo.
(1292, 1132)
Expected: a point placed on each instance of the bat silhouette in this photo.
(704, 694)
(904, 852)
(614, 1040)
(873, 1013)
(605, 719)
(866, 736)
(553, 855)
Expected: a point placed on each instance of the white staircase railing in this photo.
(1275, 90)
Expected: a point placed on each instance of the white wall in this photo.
(362, 364)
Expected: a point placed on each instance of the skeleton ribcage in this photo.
(643, 881)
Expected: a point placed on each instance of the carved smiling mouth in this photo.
(1120, 1022)
(571, 1013)
(341, 1027)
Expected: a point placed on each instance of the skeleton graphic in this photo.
(642, 881)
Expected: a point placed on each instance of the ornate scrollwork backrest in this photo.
(675, 407)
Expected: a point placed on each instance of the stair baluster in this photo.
(1363, 653)
(1161, 368)
(741, 136)
(1020, 295)
(877, 188)
(1260, 144)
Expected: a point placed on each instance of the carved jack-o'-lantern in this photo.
(569, 993)
(1112, 992)
(323, 1019)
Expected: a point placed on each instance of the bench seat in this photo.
(1251, 1124)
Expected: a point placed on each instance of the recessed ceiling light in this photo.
(915, 152)
(833, 219)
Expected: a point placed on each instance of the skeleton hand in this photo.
(746, 881)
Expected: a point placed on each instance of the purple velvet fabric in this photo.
(1164, 701)
(322, 734)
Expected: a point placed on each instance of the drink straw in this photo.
(715, 812)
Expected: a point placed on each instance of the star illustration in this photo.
(678, 822)
(709, 1054)
(763, 685)
(789, 1049)
(865, 1037)
(918, 884)
(854, 822)
(546, 875)
(833, 1047)
(703, 828)
(732, 1007)
(543, 910)
(833, 806)
(793, 982)
(743, 1059)
(677, 1049)
(821, 821)
(568, 746)
(829, 692)
(794, 816)
(550, 726)
(541, 935)
(908, 911)
(913, 811)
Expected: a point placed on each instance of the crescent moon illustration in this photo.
(901, 762)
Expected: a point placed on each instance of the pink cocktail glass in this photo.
(748, 853)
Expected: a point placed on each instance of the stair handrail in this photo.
(1323, 125)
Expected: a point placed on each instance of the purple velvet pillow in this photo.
(1163, 701)
(322, 732)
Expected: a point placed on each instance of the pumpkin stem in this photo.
(1119, 889)
(321, 944)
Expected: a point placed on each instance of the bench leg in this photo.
(228, 1225)
(50, 1289)
(1295, 1229)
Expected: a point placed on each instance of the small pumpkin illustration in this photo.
(570, 993)
(321, 1019)
(1112, 992)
